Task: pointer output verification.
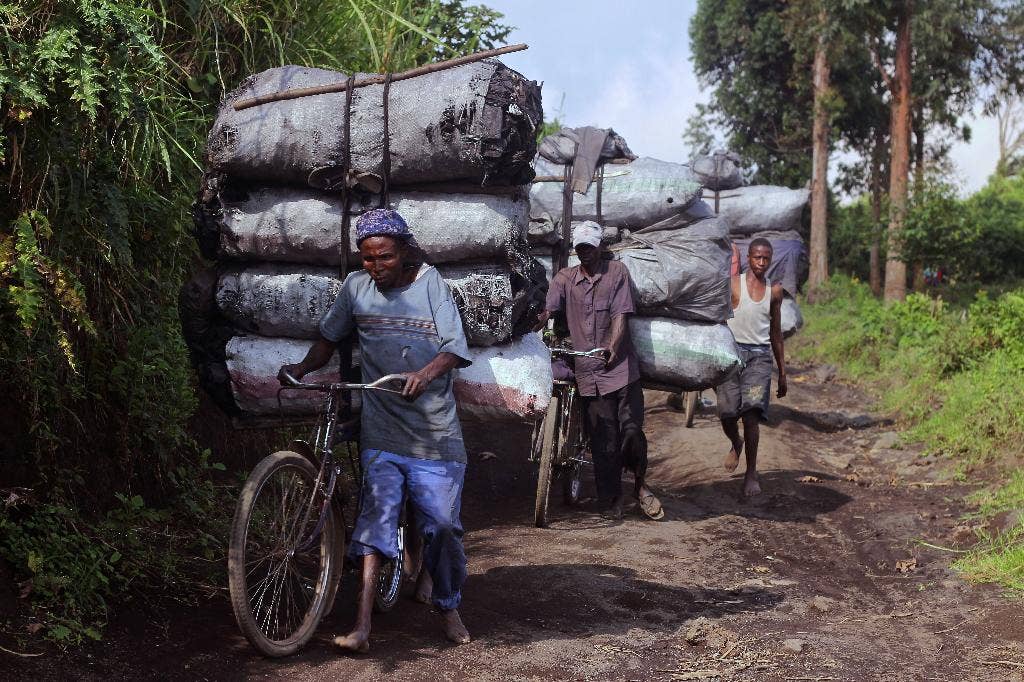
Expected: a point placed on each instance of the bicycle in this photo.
(686, 402)
(559, 441)
(288, 536)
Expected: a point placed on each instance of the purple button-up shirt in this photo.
(590, 303)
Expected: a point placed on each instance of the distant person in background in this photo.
(597, 298)
(757, 326)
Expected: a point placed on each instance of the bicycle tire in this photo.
(690, 406)
(547, 461)
(537, 440)
(391, 578)
(244, 551)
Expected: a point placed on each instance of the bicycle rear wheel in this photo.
(281, 582)
(571, 446)
(389, 583)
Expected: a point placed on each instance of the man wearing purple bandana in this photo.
(407, 323)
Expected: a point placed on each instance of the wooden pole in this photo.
(566, 243)
(295, 93)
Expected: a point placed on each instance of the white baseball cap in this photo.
(587, 232)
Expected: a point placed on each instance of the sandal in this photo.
(650, 506)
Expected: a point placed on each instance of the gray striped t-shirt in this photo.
(401, 330)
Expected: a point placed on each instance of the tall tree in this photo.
(1010, 119)
(819, 178)
(937, 59)
(898, 83)
(761, 96)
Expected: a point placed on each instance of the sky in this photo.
(626, 65)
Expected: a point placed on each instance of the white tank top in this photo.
(751, 320)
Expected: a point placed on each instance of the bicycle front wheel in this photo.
(549, 446)
(690, 409)
(281, 577)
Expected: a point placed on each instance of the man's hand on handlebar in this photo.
(293, 371)
(415, 384)
(542, 320)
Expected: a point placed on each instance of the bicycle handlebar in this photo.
(378, 385)
(596, 353)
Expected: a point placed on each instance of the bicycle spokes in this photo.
(281, 573)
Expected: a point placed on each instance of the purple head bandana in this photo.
(382, 222)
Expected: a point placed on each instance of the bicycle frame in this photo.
(322, 451)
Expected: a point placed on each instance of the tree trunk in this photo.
(819, 179)
(917, 279)
(899, 159)
(877, 179)
(917, 125)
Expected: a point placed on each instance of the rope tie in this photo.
(346, 163)
(386, 151)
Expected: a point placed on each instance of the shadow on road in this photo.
(786, 497)
(509, 605)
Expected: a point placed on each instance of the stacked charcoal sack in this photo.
(449, 150)
(767, 211)
(678, 255)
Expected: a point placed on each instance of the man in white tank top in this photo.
(756, 324)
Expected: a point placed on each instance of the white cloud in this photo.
(648, 100)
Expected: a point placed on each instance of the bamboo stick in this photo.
(559, 178)
(295, 93)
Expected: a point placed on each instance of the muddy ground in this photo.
(825, 577)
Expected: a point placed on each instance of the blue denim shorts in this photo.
(434, 488)
(751, 387)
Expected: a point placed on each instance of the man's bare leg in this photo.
(454, 629)
(752, 432)
(358, 641)
(730, 425)
(424, 587)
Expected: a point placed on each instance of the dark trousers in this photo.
(615, 425)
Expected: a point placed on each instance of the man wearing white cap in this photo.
(597, 298)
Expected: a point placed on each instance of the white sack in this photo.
(512, 381)
(686, 355)
(763, 207)
(282, 224)
(634, 195)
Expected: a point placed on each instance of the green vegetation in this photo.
(951, 375)
(105, 106)
(978, 241)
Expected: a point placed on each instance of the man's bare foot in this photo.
(355, 642)
(424, 587)
(732, 460)
(751, 486)
(454, 630)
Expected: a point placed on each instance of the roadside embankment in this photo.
(950, 375)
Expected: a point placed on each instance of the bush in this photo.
(73, 568)
(997, 213)
(949, 374)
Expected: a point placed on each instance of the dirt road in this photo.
(825, 577)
